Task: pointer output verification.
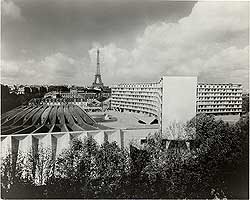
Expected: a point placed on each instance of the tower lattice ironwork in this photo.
(98, 79)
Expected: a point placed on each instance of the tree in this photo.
(223, 150)
(27, 90)
(90, 171)
(43, 90)
(217, 168)
(112, 164)
(39, 165)
(15, 183)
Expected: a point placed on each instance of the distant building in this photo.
(73, 91)
(84, 97)
(52, 95)
(21, 90)
(79, 94)
(13, 89)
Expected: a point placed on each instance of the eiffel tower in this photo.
(98, 80)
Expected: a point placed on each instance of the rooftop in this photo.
(46, 119)
(127, 120)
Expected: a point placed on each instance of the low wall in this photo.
(60, 141)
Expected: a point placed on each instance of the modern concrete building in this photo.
(178, 105)
(172, 100)
(143, 98)
(149, 98)
(54, 126)
(30, 127)
(219, 99)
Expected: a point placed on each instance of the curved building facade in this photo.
(172, 99)
(137, 97)
(147, 98)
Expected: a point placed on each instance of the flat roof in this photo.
(127, 120)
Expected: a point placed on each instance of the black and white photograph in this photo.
(124, 99)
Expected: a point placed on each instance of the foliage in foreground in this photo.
(217, 167)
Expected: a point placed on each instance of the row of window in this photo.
(139, 101)
(219, 86)
(220, 94)
(214, 106)
(139, 108)
(216, 98)
(220, 110)
(64, 100)
(219, 90)
(139, 93)
(135, 105)
(134, 89)
(140, 85)
(134, 96)
(148, 85)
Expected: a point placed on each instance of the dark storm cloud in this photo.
(72, 26)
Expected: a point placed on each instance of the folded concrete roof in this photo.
(45, 119)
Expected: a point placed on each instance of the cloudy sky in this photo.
(55, 41)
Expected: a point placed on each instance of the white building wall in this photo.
(178, 100)
(58, 142)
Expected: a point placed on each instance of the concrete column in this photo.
(63, 141)
(5, 146)
(14, 151)
(25, 143)
(122, 138)
(45, 141)
(14, 145)
(98, 136)
(35, 143)
(53, 145)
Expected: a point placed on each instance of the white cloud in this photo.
(211, 42)
(207, 42)
(11, 10)
(54, 69)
